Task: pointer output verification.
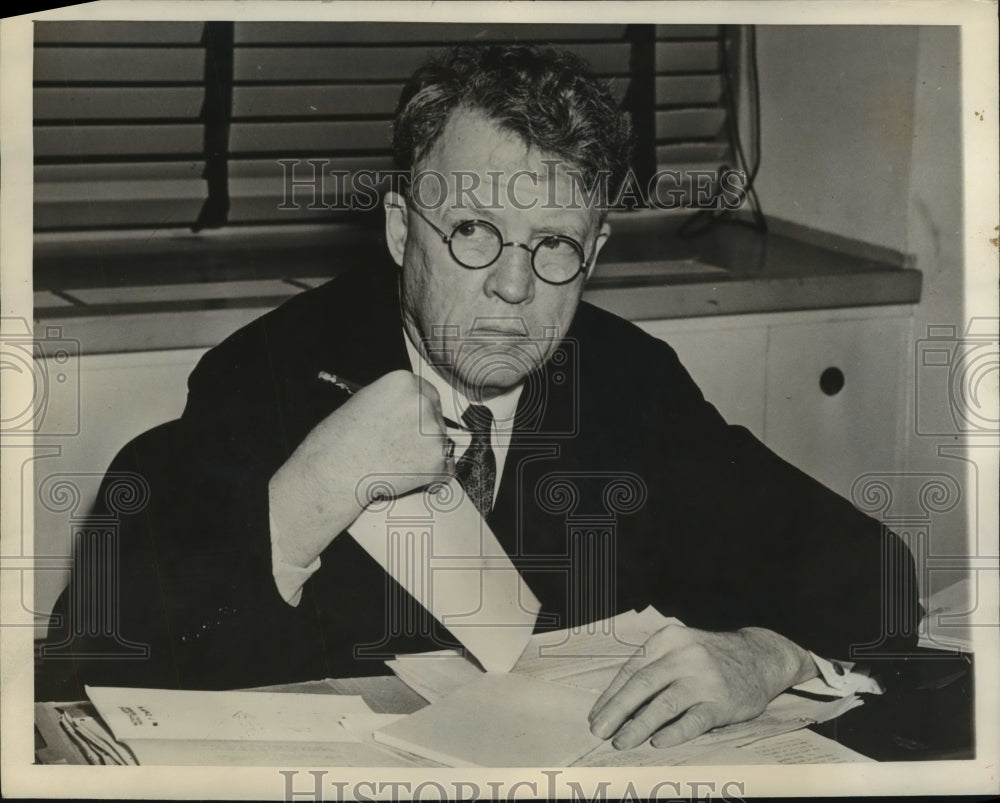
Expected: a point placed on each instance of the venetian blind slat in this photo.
(346, 64)
(687, 57)
(122, 33)
(144, 211)
(314, 101)
(381, 33)
(115, 141)
(687, 124)
(691, 152)
(309, 137)
(80, 103)
(119, 65)
(300, 168)
(695, 90)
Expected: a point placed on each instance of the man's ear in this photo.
(602, 238)
(396, 225)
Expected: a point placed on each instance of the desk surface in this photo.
(926, 713)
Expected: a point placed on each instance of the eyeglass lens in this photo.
(476, 244)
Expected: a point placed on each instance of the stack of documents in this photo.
(94, 740)
(537, 714)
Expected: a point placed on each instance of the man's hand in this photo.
(696, 680)
(393, 429)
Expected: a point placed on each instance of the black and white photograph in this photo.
(431, 401)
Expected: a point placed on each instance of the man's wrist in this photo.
(791, 663)
(310, 512)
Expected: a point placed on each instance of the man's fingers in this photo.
(667, 705)
(698, 719)
(659, 644)
(644, 684)
(629, 668)
(429, 392)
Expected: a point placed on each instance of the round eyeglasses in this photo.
(477, 244)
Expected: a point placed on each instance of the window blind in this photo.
(117, 131)
(689, 124)
(129, 132)
(333, 100)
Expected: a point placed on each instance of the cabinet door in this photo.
(726, 361)
(835, 400)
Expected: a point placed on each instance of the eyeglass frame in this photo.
(448, 238)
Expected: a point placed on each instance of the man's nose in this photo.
(512, 277)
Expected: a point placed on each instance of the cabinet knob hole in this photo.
(831, 381)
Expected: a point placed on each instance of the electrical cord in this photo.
(703, 219)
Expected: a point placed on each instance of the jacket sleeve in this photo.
(190, 583)
(763, 544)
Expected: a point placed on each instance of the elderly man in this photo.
(474, 356)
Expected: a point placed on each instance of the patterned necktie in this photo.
(477, 468)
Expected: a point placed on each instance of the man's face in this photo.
(487, 329)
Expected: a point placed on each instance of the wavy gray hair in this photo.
(548, 97)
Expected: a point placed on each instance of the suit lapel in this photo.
(541, 443)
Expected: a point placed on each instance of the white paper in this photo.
(434, 675)
(587, 657)
(164, 714)
(804, 747)
(948, 622)
(500, 721)
(362, 726)
(438, 547)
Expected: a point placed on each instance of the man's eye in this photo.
(557, 244)
(470, 228)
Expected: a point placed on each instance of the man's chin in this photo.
(496, 367)
(488, 384)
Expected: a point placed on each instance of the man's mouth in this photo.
(498, 327)
(495, 332)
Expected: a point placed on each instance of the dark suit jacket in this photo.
(623, 487)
